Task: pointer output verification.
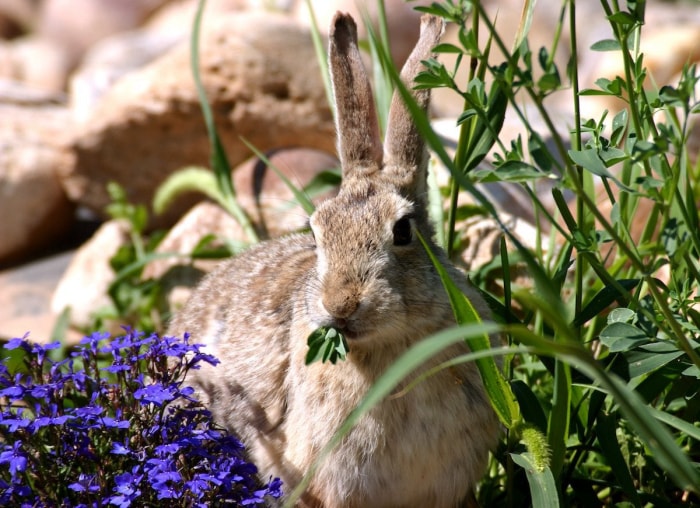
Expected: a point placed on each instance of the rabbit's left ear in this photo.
(405, 156)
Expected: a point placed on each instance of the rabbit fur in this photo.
(362, 270)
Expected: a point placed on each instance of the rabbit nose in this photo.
(340, 304)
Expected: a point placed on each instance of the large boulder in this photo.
(34, 209)
(262, 81)
(83, 287)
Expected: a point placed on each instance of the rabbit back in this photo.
(241, 313)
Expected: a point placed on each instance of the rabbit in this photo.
(360, 269)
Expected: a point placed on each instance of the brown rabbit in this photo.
(362, 270)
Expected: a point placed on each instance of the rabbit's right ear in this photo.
(359, 143)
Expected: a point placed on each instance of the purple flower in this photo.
(19, 342)
(122, 429)
(120, 449)
(85, 483)
(126, 488)
(43, 421)
(14, 424)
(155, 393)
(113, 423)
(15, 457)
(117, 367)
(40, 351)
(89, 411)
(167, 449)
(13, 392)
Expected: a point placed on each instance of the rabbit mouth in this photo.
(350, 330)
(350, 333)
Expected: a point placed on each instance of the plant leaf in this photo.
(610, 448)
(622, 337)
(189, 179)
(502, 397)
(604, 298)
(542, 487)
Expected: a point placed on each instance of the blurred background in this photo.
(99, 91)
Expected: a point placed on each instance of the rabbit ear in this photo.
(359, 142)
(405, 155)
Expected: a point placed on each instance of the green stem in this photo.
(580, 210)
(219, 161)
(460, 156)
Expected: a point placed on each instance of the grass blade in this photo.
(543, 489)
(219, 160)
(610, 448)
(502, 397)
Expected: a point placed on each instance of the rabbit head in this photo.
(374, 278)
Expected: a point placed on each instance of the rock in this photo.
(34, 208)
(97, 19)
(112, 58)
(34, 61)
(115, 55)
(15, 93)
(268, 201)
(25, 295)
(84, 284)
(15, 18)
(264, 86)
(403, 22)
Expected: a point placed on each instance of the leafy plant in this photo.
(135, 301)
(326, 345)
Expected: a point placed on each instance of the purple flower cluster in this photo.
(114, 425)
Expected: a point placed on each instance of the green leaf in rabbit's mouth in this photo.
(326, 344)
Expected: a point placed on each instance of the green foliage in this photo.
(134, 301)
(326, 345)
(612, 341)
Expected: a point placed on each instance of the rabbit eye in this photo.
(402, 231)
